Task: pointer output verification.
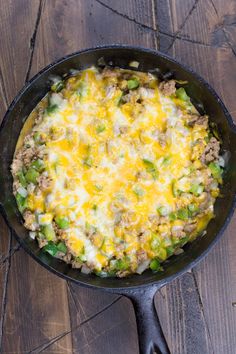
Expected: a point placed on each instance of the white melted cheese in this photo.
(94, 165)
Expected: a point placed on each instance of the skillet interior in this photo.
(202, 95)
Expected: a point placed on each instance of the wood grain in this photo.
(41, 313)
(88, 31)
(37, 304)
(200, 41)
(71, 26)
(180, 307)
(5, 248)
(13, 68)
(16, 35)
(28, 307)
(197, 42)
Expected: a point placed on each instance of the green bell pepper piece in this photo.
(170, 250)
(63, 223)
(182, 95)
(193, 209)
(100, 128)
(176, 192)
(38, 165)
(88, 162)
(48, 232)
(172, 216)
(22, 179)
(182, 214)
(138, 191)
(155, 265)
(58, 86)
(51, 248)
(61, 247)
(151, 168)
(216, 171)
(51, 109)
(162, 211)
(31, 175)
(133, 84)
(196, 189)
(122, 264)
(21, 202)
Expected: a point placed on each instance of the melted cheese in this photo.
(103, 159)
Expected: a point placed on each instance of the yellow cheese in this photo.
(113, 166)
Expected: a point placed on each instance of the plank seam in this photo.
(183, 24)
(223, 29)
(75, 304)
(229, 42)
(214, 7)
(156, 26)
(46, 345)
(3, 90)
(185, 39)
(12, 251)
(125, 16)
(151, 29)
(33, 39)
(4, 296)
(202, 308)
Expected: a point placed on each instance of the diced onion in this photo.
(56, 99)
(116, 128)
(85, 270)
(55, 78)
(225, 157)
(221, 161)
(178, 251)
(134, 64)
(22, 191)
(30, 188)
(146, 93)
(32, 234)
(101, 62)
(177, 227)
(144, 265)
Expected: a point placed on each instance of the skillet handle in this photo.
(151, 337)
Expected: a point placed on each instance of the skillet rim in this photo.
(191, 264)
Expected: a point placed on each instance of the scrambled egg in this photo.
(110, 176)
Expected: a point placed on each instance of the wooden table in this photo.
(41, 313)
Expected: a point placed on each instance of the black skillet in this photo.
(139, 288)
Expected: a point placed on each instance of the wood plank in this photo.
(182, 318)
(95, 302)
(13, 64)
(199, 43)
(5, 248)
(97, 324)
(110, 332)
(31, 307)
(168, 20)
(71, 26)
(139, 11)
(89, 21)
(4, 244)
(216, 279)
(16, 46)
(37, 305)
(218, 75)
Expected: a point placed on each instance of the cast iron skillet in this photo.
(139, 288)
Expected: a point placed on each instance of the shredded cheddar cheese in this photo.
(112, 172)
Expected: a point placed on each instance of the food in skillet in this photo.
(115, 171)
